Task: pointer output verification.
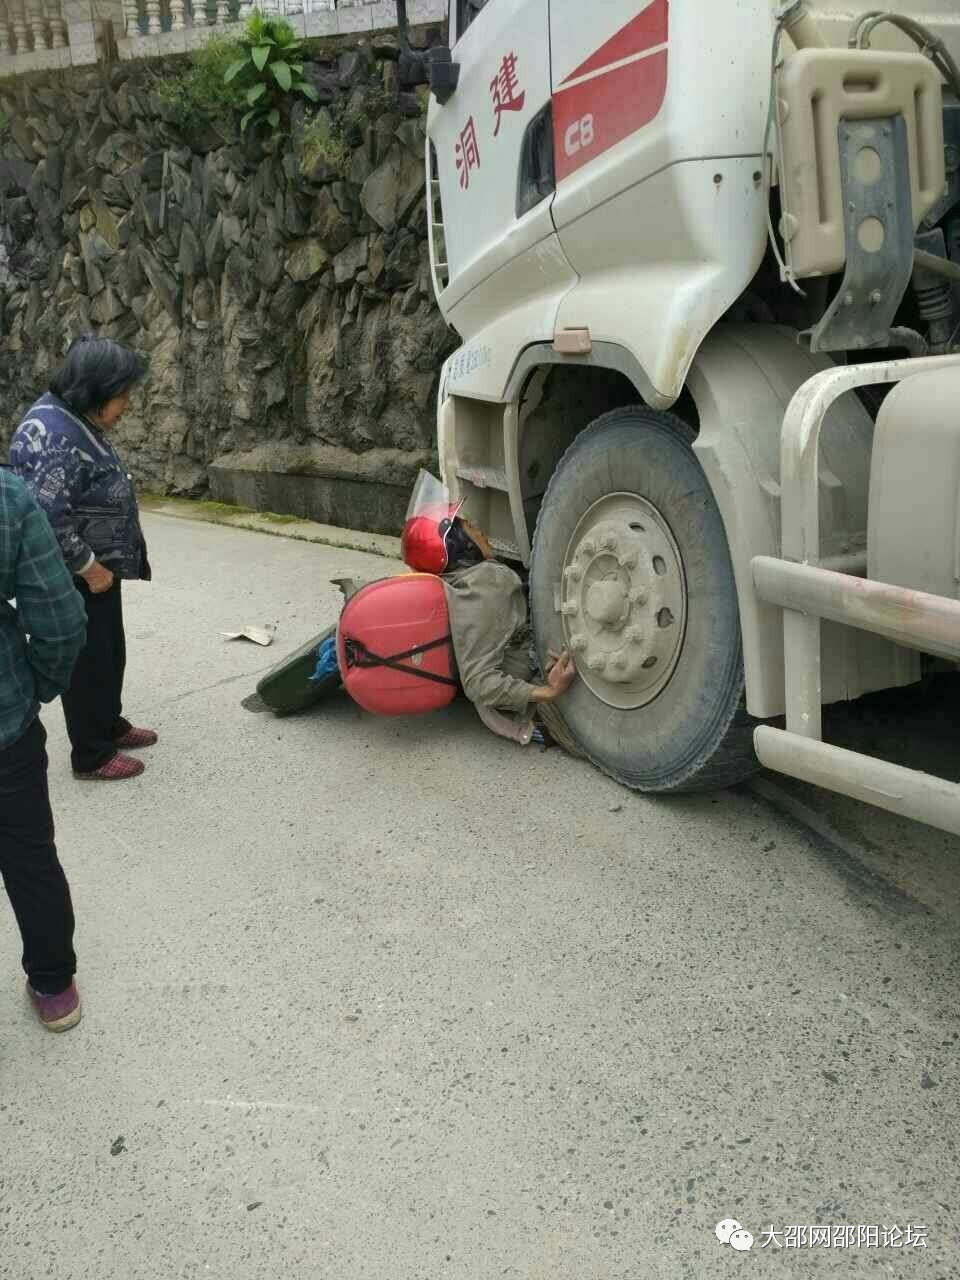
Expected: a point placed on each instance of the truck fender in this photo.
(741, 381)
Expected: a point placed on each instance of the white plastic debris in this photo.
(259, 635)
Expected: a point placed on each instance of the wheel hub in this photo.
(607, 603)
(623, 600)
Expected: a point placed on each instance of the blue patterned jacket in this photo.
(78, 479)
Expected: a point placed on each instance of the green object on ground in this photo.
(288, 687)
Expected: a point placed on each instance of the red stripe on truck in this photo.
(645, 31)
(591, 117)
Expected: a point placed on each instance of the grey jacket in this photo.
(491, 635)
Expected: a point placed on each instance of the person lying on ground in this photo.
(488, 614)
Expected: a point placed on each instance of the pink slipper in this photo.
(116, 769)
(135, 738)
(59, 1012)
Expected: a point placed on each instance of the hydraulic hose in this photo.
(928, 43)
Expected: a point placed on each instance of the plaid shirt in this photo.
(43, 632)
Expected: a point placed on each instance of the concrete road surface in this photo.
(398, 1000)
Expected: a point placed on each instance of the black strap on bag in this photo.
(358, 655)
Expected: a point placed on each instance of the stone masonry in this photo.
(286, 306)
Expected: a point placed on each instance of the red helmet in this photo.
(430, 517)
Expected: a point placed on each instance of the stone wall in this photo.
(286, 308)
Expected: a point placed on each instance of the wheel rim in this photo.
(623, 600)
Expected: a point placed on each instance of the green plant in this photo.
(331, 135)
(323, 141)
(355, 112)
(269, 69)
(201, 93)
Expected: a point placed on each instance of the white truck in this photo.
(690, 246)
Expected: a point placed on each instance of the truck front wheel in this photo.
(631, 573)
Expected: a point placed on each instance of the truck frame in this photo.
(690, 249)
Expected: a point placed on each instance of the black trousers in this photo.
(34, 880)
(92, 705)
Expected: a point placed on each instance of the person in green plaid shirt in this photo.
(42, 630)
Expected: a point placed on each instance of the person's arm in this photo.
(489, 685)
(560, 676)
(483, 617)
(50, 607)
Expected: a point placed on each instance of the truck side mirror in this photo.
(444, 74)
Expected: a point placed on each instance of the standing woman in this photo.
(62, 450)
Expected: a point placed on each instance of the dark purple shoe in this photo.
(59, 1012)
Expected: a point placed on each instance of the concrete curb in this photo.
(328, 535)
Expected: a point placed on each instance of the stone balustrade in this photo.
(43, 35)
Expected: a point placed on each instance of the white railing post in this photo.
(18, 22)
(58, 28)
(38, 24)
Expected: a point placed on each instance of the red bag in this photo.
(394, 646)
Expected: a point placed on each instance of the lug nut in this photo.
(638, 597)
(609, 541)
(573, 572)
(634, 635)
(597, 663)
(578, 642)
(628, 561)
(588, 547)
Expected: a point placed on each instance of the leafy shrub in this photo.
(331, 135)
(354, 112)
(202, 94)
(269, 70)
(322, 140)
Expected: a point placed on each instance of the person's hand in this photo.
(98, 578)
(561, 674)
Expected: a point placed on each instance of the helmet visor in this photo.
(431, 497)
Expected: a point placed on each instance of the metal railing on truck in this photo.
(808, 593)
